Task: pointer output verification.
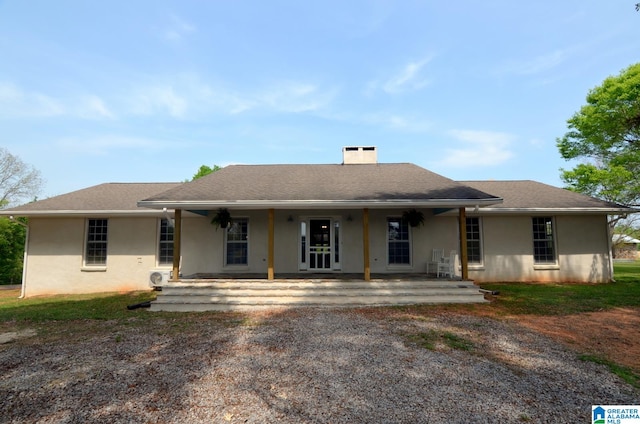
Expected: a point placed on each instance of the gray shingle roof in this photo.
(322, 183)
(527, 194)
(368, 182)
(118, 197)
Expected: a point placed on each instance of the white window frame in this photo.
(554, 240)
(408, 241)
(160, 242)
(479, 264)
(227, 242)
(87, 265)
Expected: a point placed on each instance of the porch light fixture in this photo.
(290, 218)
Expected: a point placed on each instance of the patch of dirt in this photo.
(15, 335)
(613, 334)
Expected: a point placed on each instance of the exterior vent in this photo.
(158, 277)
(359, 155)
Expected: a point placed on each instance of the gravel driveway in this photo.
(299, 366)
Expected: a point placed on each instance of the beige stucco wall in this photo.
(202, 245)
(581, 245)
(56, 245)
(55, 256)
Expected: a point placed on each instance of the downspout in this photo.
(24, 257)
(610, 249)
(167, 216)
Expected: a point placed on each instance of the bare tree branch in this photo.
(18, 181)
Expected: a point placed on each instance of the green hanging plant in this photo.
(414, 217)
(222, 218)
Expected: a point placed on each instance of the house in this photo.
(625, 247)
(308, 220)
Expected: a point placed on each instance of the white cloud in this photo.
(178, 29)
(187, 97)
(403, 123)
(535, 65)
(295, 97)
(409, 78)
(159, 98)
(536, 142)
(18, 103)
(94, 107)
(103, 145)
(478, 148)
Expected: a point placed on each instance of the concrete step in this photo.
(278, 284)
(247, 306)
(297, 292)
(250, 295)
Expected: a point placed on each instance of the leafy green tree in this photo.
(605, 135)
(12, 236)
(205, 170)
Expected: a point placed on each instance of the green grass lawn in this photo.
(563, 299)
(103, 306)
(514, 298)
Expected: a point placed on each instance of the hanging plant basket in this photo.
(222, 218)
(413, 217)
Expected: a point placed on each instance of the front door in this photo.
(320, 244)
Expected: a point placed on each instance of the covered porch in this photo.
(364, 250)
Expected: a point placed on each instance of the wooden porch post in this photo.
(177, 241)
(464, 258)
(365, 244)
(271, 254)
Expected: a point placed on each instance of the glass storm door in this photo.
(320, 244)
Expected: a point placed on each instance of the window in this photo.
(237, 243)
(398, 242)
(474, 241)
(543, 242)
(96, 251)
(165, 244)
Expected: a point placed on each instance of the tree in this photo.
(605, 135)
(12, 237)
(205, 170)
(18, 181)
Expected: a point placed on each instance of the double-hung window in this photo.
(399, 244)
(543, 240)
(474, 241)
(165, 243)
(96, 247)
(237, 242)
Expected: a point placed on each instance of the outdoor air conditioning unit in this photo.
(158, 277)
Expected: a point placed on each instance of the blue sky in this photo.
(135, 91)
